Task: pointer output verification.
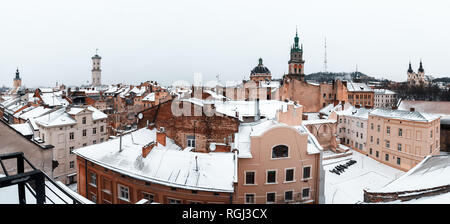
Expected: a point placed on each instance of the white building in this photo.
(385, 98)
(352, 127)
(69, 128)
(96, 71)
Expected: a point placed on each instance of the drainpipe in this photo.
(86, 176)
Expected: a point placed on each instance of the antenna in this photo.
(325, 61)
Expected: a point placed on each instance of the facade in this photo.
(69, 128)
(146, 164)
(279, 161)
(402, 139)
(352, 126)
(415, 79)
(385, 98)
(359, 94)
(96, 70)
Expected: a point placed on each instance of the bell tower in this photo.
(296, 61)
(17, 80)
(96, 70)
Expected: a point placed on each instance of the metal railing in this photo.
(35, 177)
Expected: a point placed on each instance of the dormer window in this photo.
(280, 151)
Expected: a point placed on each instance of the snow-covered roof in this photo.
(35, 112)
(358, 87)
(56, 118)
(433, 171)
(167, 165)
(319, 121)
(433, 107)
(327, 110)
(404, 115)
(247, 130)
(96, 115)
(384, 92)
(52, 99)
(137, 91)
(150, 97)
(267, 108)
(24, 128)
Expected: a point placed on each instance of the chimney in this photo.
(147, 148)
(257, 114)
(358, 106)
(151, 126)
(412, 109)
(161, 136)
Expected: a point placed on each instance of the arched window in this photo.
(280, 151)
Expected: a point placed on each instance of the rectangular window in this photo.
(362, 125)
(271, 176)
(71, 164)
(249, 198)
(270, 197)
(399, 147)
(371, 126)
(377, 154)
(305, 193)
(386, 157)
(388, 144)
(174, 201)
(190, 141)
(71, 136)
(388, 130)
(288, 196)
(289, 175)
(94, 142)
(371, 138)
(83, 120)
(124, 192)
(84, 132)
(93, 179)
(398, 161)
(94, 131)
(306, 172)
(71, 150)
(378, 128)
(249, 177)
(370, 151)
(101, 128)
(149, 197)
(400, 132)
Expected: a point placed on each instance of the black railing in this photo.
(36, 178)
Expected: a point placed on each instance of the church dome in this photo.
(260, 69)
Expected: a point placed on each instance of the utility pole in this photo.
(325, 61)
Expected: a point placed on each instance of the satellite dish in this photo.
(140, 116)
(212, 147)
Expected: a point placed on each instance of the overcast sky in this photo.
(171, 40)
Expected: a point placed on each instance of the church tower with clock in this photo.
(296, 62)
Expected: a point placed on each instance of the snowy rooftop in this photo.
(56, 118)
(327, 110)
(433, 107)
(433, 171)
(24, 129)
(53, 99)
(404, 115)
(247, 130)
(319, 121)
(167, 165)
(150, 97)
(366, 173)
(96, 115)
(358, 87)
(35, 112)
(267, 108)
(384, 92)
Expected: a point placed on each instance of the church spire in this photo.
(410, 70)
(421, 67)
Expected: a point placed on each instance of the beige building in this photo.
(352, 128)
(385, 98)
(279, 161)
(418, 78)
(69, 128)
(401, 138)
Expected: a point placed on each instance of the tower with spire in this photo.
(296, 61)
(17, 82)
(260, 73)
(416, 78)
(96, 70)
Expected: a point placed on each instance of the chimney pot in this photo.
(412, 109)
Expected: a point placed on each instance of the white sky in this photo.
(171, 40)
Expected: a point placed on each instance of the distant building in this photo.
(352, 125)
(96, 70)
(260, 73)
(360, 94)
(17, 80)
(402, 139)
(385, 98)
(415, 79)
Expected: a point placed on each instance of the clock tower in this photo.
(296, 62)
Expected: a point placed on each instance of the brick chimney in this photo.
(412, 109)
(161, 137)
(147, 148)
